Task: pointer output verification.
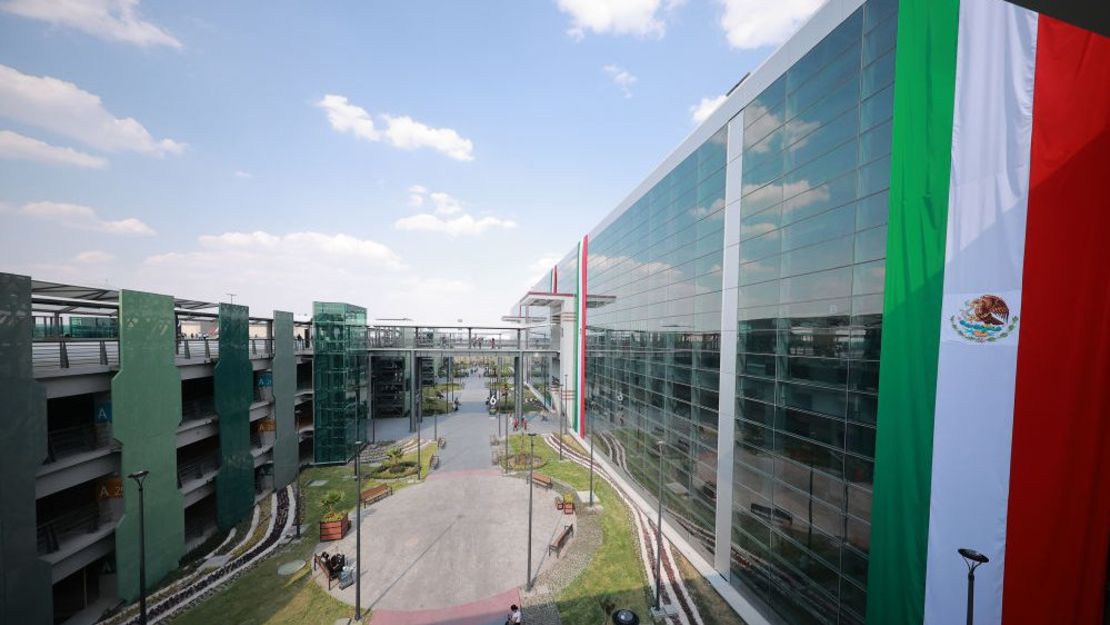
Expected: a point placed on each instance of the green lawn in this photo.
(260, 596)
(615, 576)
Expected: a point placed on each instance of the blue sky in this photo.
(421, 159)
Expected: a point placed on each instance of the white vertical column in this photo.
(726, 397)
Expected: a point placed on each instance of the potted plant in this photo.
(334, 524)
(568, 504)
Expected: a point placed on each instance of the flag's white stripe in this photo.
(988, 198)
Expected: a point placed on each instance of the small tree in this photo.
(394, 454)
(329, 501)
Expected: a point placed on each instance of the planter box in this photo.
(558, 503)
(334, 530)
(568, 507)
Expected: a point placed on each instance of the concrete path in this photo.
(453, 549)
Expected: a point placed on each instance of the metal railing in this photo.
(455, 339)
(196, 468)
(198, 408)
(65, 442)
(64, 352)
(84, 519)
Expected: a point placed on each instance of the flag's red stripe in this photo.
(1059, 509)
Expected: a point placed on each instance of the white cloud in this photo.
(93, 257)
(464, 225)
(621, 77)
(308, 265)
(756, 23)
(702, 110)
(620, 17)
(339, 246)
(399, 131)
(448, 215)
(15, 146)
(245, 175)
(442, 203)
(84, 218)
(64, 108)
(114, 20)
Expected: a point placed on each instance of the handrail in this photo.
(69, 441)
(53, 532)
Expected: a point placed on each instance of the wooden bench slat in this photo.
(560, 541)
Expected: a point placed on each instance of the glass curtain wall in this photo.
(653, 354)
(816, 168)
(340, 364)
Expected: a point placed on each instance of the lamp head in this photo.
(139, 476)
(972, 555)
(531, 434)
(625, 616)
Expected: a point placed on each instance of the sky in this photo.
(423, 159)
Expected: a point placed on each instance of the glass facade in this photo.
(816, 167)
(339, 374)
(653, 353)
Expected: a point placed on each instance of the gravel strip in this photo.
(539, 604)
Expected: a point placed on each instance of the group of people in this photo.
(480, 342)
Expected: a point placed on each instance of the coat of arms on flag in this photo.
(984, 319)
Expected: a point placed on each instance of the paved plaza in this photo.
(453, 549)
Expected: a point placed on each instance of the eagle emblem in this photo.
(984, 319)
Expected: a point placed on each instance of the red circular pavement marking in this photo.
(488, 611)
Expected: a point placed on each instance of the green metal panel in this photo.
(285, 386)
(146, 410)
(233, 381)
(339, 368)
(24, 579)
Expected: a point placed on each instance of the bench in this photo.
(542, 480)
(556, 545)
(377, 493)
(434, 462)
(331, 565)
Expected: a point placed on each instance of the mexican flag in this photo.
(994, 400)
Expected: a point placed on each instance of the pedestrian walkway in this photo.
(453, 549)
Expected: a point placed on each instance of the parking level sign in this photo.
(102, 411)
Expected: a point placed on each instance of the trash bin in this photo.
(347, 576)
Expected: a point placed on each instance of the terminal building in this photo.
(814, 304)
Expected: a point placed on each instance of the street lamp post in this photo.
(589, 432)
(419, 423)
(139, 477)
(659, 532)
(358, 531)
(973, 559)
(563, 421)
(531, 454)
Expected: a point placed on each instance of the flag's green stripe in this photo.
(924, 95)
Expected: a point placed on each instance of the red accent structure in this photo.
(555, 279)
(1059, 509)
(584, 296)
